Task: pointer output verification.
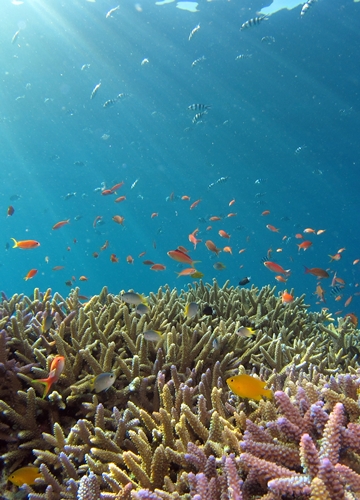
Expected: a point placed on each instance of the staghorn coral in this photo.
(155, 430)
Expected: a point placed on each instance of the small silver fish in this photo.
(199, 107)
(13, 40)
(243, 56)
(103, 381)
(95, 90)
(198, 117)
(252, 22)
(134, 184)
(152, 335)
(197, 61)
(111, 11)
(142, 309)
(191, 309)
(244, 331)
(133, 298)
(192, 33)
(46, 323)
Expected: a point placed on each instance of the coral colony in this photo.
(117, 416)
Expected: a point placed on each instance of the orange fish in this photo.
(320, 292)
(272, 228)
(320, 231)
(113, 258)
(106, 192)
(281, 279)
(154, 214)
(118, 219)
(60, 224)
(341, 250)
(224, 234)
(30, 274)
(336, 256)
(227, 250)
(95, 255)
(186, 272)
(317, 271)
(265, 212)
(130, 259)
(276, 268)
(56, 368)
(356, 261)
(214, 218)
(158, 267)
(242, 250)
(212, 247)
(181, 257)
(141, 254)
(353, 318)
(183, 249)
(185, 197)
(231, 202)
(10, 211)
(195, 204)
(286, 298)
(309, 230)
(148, 262)
(209, 228)
(116, 187)
(25, 244)
(298, 236)
(304, 245)
(232, 214)
(83, 278)
(58, 268)
(348, 301)
(193, 239)
(120, 199)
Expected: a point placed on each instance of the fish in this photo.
(118, 219)
(10, 211)
(212, 247)
(219, 266)
(276, 268)
(145, 61)
(348, 301)
(158, 267)
(245, 281)
(193, 31)
(198, 116)
(191, 309)
(83, 278)
(320, 293)
(46, 323)
(186, 272)
(15, 36)
(197, 107)
(60, 224)
(56, 368)
(336, 256)
(356, 261)
(281, 279)
(197, 61)
(197, 275)
(130, 259)
(354, 320)
(148, 262)
(245, 331)
(152, 335)
(265, 212)
(142, 309)
(224, 234)
(97, 220)
(134, 183)
(25, 244)
(182, 257)
(243, 56)
(111, 11)
(218, 181)
(252, 22)
(95, 90)
(154, 214)
(250, 387)
(192, 238)
(113, 257)
(287, 298)
(268, 39)
(134, 298)
(30, 274)
(120, 199)
(208, 310)
(304, 245)
(102, 382)
(317, 271)
(272, 228)
(306, 7)
(227, 249)
(25, 475)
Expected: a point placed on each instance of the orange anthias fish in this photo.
(60, 224)
(272, 228)
(320, 293)
(25, 244)
(195, 204)
(118, 219)
(116, 187)
(212, 247)
(193, 239)
(304, 245)
(224, 234)
(30, 274)
(287, 298)
(250, 387)
(276, 268)
(337, 256)
(180, 256)
(317, 271)
(158, 267)
(25, 475)
(120, 199)
(186, 272)
(56, 368)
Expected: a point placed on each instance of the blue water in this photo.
(300, 92)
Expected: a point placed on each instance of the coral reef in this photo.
(169, 427)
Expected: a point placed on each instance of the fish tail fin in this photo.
(307, 270)
(15, 242)
(268, 393)
(46, 383)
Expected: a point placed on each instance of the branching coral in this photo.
(169, 426)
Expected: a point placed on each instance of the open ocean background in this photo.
(300, 92)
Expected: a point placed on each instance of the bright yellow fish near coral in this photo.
(247, 386)
(25, 475)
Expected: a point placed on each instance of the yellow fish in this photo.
(25, 475)
(246, 386)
